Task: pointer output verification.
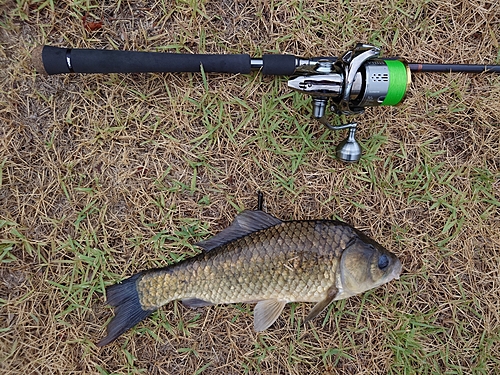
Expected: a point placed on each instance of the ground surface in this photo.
(105, 175)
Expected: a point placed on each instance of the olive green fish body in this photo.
(260, 259)
(292, 261)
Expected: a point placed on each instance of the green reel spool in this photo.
(399, 80)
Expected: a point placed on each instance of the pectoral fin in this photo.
(266, 313)
(320, 306)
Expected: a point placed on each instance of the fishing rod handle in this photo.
(55, 60)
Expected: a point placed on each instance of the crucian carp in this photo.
(260, 259)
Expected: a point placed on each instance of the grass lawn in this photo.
(102, 176)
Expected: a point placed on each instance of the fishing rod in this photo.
(358, 79)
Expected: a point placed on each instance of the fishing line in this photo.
(398, 82)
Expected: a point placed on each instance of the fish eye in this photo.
(383, 262)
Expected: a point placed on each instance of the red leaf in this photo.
(91, 26)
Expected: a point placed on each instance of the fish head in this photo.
(365, 265)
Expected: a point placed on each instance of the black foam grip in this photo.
(55, 61)
(278, 65)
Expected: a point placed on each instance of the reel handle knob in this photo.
(349, 149)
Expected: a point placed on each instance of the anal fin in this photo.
(266, 312)
(321, 305)
(195, 302)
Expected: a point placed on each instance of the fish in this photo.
(259, 259)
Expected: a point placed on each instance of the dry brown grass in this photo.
(102, 176)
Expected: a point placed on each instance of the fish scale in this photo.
(262, 259)
(290, 261)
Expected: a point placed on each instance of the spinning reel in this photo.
(356, 80)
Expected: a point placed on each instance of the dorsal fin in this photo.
(245, 223)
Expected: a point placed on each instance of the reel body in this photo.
(357, 80)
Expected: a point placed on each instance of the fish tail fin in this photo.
(128, 311)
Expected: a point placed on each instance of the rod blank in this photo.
(454, 68)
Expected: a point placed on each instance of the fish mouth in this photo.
(398, 268)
